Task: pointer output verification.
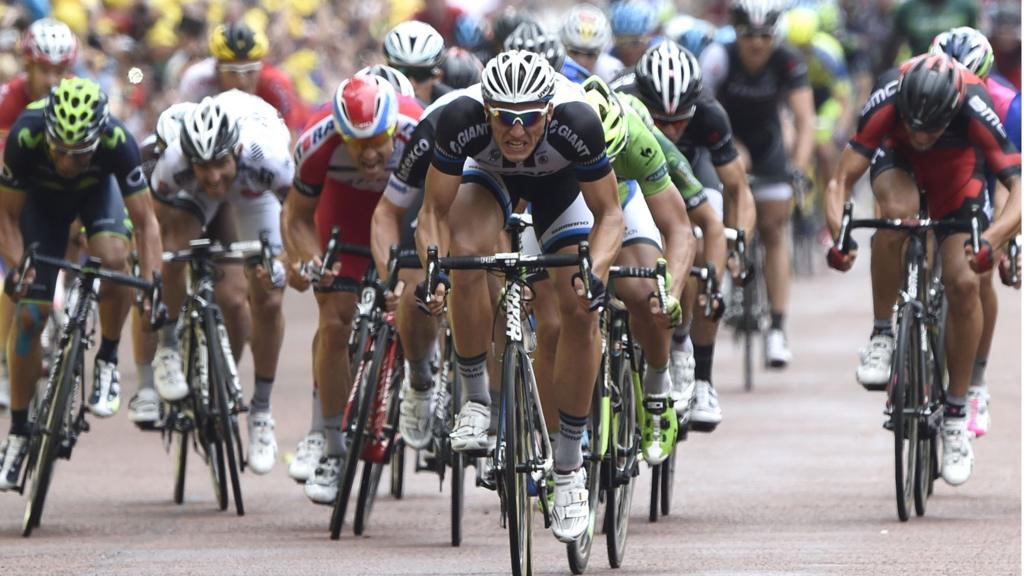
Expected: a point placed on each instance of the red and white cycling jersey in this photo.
(324, 169)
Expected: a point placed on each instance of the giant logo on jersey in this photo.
(467, 134)
(569, 135)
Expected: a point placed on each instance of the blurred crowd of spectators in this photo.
(319, 42)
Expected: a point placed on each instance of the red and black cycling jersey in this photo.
(752, 100)
(574, 139)
(954, 168)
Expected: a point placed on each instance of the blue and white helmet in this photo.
(633, 18)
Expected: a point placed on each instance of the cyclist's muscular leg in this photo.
(417, 331)
(545, 310)
(231, 289)
(265, 304)
(635, 293)
(332, 371)
(896, 196)
(177, 229)
(115, 300)
(990, 311)
(24, 350)
(963, 331)
(771, 222)
(579, 351)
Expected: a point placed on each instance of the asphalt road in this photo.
(797, 480)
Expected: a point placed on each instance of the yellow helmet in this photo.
(237, 41)
(801, 26)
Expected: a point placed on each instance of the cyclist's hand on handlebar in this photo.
(436, 305)
(671, 316)
(391, 298)
(1004, 271)
(597, 292)
(983, 260)
(11, 282)
(271, 280)
(838, 260)
(296, 279)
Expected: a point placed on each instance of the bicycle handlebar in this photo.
(848, 224)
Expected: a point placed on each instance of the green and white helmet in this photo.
(613, 116)
(76, 113)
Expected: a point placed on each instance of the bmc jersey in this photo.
(274, 86)
(574, 139)
(28, 167)
(264, 163)
(952, 170)
(752, 100)
(321, 155)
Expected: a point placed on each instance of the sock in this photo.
(335, 438)
(882, 328)
(569, 448)
(703, 356)
(681, 340)
(956, 406)
(778, 319)
(168, 336)
(317, 420)
(19, 423)
(473, 372)
(145, 372)
(978, 375)
(421, 373)
(656, 381)
(108, 350)
(261, 394)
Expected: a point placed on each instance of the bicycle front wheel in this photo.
(518, 513)
(227, 425)
(579, 551)
(49, 431)
(621, 463)
(903, 403)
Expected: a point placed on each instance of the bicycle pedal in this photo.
(888, 425)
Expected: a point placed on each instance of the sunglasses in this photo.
(371, 142)
(78, 151)
(762, 33)
(246, 68)
(583, 53)
(526, 118)
(417, 74)
(674, 121)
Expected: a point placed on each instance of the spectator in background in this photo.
(442, 16)
(1004, 35)
(916, 22)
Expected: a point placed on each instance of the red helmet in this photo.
(364, 107)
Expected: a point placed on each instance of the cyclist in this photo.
(398, 81)
(236, 61)
(57, 166)
(917, 22)
(668, 81)
(528, 135)
(531, 37)
(930, 124)
(232, 149)
(653, 209)
(460, 68)
(342, 164)
(633, 24)
(970, 47)
(586, 35)
(417, 50)
(49, 49)
(758, 76)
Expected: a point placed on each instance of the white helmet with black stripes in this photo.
(518, 77)
(414, 44)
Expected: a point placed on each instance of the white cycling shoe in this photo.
(876, 363)
(957, 454)
(168, 377)
(307, 456)
(322, 486)
(262, 444)
(979, 419)
(470, 431)
(681, 372)
(777, 349)
(570, 513)
(415, 416)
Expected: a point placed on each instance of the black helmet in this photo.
(669, 80)
(531, 37)
(461, 69)
(931, 92)
(506, 24)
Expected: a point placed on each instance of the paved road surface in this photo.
(797, 480)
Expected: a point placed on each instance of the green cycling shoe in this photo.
(658, 428)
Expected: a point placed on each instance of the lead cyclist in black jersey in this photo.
(528, 134)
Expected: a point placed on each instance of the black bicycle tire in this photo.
(397, 477)
(901, 386)
(620, 493)
(668, 474)
(370, 483)
(364, 400)
(517, 506)
(367, 495)
(49, 444)
(180, 464)
(578, 552)
(458, 465)
(655, 501)
(219, 377)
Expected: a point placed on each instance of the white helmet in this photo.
(668, 77)
(208, 132)
(415, 44)
(517, 77)
(398, 80)
(50, 40)
(168, 125)
(757, 13)
(586, 28)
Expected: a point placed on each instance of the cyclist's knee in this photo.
(232, 303)
(963, 292)
(266, 302)
(31, 316)
(111, 250)
(896, 194)
(337, 312)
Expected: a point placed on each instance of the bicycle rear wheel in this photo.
(47, 436)
(180, 461)
(363, 399)
(579, 551)
(397, 486)
(903, 402)
(668, 476)
(622, 461)
(227, 424)
(458, 464)
(518, 512)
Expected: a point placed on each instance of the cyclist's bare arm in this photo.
(602, 198)
(801, 102)
(740, 211)
(852, 165)
(297, 220)
(670, 216)
(385, 228)
(1007, 224)
(11, 203)
(147, 231)
(432, 222)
